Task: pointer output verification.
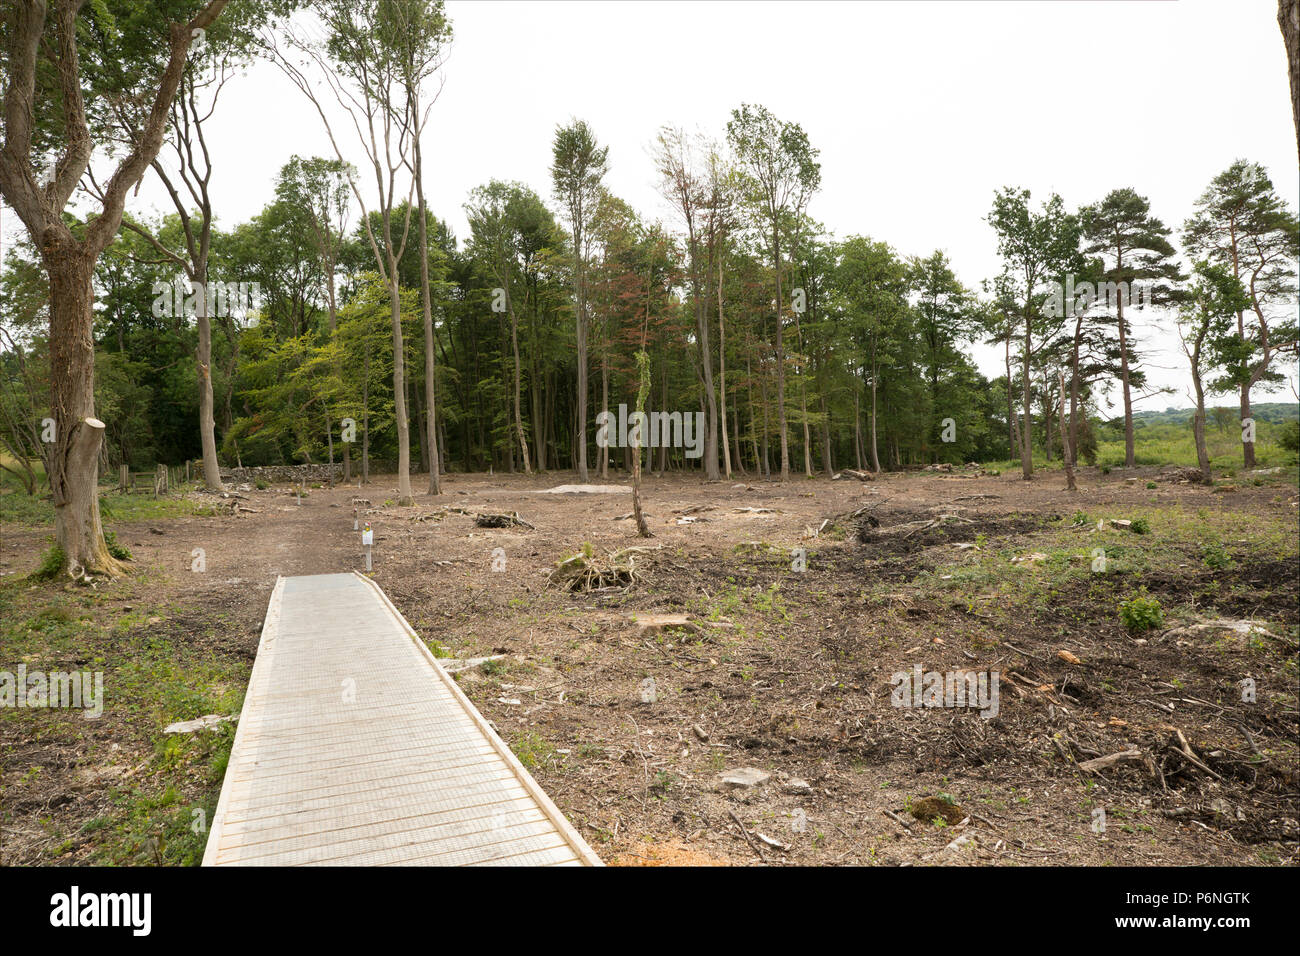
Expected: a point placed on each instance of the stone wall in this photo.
(280, 474)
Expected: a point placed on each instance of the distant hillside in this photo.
(1274, 412)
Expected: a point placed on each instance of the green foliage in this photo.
(1215, 557)
(1140, 613)
(119, 551)
(53, 561)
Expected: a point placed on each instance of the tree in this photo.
(44, 82)
(784, 169)
(872, 281)
(1204, 320)
(1036, 247)
(1240, 223)
(1137, 258)
(943, 322)
(1288, 20)
(364, 60)
(227, 46)
(420, 31)
(320, 187)
(501, 217)
(577, 169)
(685, 186)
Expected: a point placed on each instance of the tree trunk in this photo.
(1288, 18)
(1065, 442)
(404, 496)
(203, 355)
(430, 360)
(780, 357)
(1027, 441)
(74, 459)
(1130, 459)
(1074, 394)
(603, 453)
(1013, 439)
(875, 450)
(722, 376)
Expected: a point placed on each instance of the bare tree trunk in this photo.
(207, 422)
(722, 374)
(1065, 443)
(74, 474)
(1027, 441)
(519, 416)
(1288, 18)
(430, 360)
(1013, 440)
(780, 357)
(604, 407)
(857, 428)
(1074, 394)
(875, 374)
(1130, 459)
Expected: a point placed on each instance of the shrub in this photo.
(1141, 613)
(119, 551)
(1290, 437)
(51, 566)
(1214, 556)
(1140, 526)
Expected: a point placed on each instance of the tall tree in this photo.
(1037, 247)
(942, 309)
(187, 177)
(360, 59)
(578, 166)
(420, 31)
(1138, 266)
(320, 188)
(684, 185)
(1205, 320)
(44, 84)
(784, 169)
(1241, 223)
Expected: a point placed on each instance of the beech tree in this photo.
(783, 166)
(577, 169)
(44, 83)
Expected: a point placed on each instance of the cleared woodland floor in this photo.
(783, 671)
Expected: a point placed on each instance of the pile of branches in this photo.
(585, 572)
(511, 520)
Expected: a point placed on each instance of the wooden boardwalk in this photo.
(355, 747)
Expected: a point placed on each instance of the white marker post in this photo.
(368, 539)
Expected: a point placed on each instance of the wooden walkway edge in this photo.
(355, 747)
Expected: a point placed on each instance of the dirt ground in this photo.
(630, 725)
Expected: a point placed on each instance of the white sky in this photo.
(920, 110)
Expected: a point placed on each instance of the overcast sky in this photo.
(920, 110)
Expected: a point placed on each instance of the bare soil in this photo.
(781, 670)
